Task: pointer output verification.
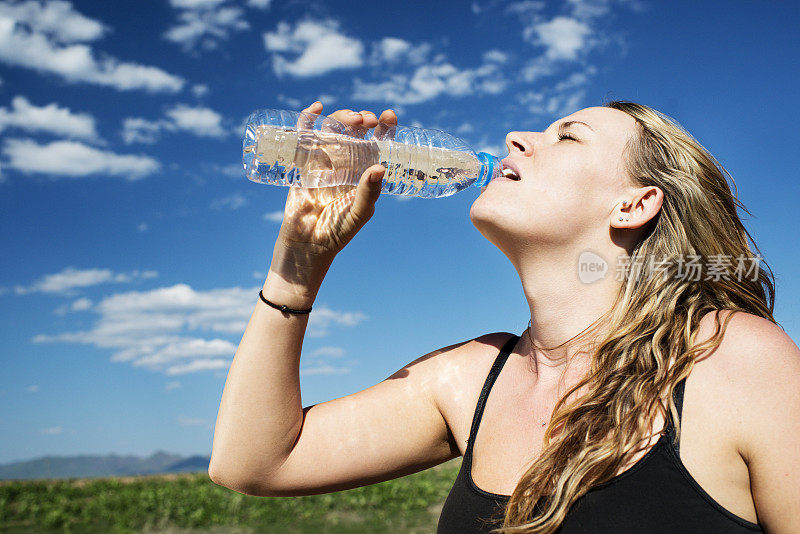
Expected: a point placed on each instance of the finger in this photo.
(353, 122)
(387, 125)
(309, 115)
(369, 119)
(342, 121)
(367, 193)
(316, 107)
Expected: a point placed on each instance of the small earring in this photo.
(620, 218)
(627, 219)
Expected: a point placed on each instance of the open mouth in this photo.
(508, 172)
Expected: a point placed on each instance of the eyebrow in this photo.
(566, 124)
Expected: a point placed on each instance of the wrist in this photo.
(280, 291)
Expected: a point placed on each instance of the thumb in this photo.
(367, 192)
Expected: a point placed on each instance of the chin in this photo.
(490, 220)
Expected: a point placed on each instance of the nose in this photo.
(517, 142)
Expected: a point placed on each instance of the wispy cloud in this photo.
(52, 431)
(75, 159)
(562, 37)
(32, 388)
(198, 120)
(50, 118)
(312, 48)
(192, 421)
(274, 216)
(324, 369)
(171, 329)
(233, 201)
(51, 37)
(328, 352)
(70, 279)
(205, 22)
(81, 304)
(172, 385)
(430, 81)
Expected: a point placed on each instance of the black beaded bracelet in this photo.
(282, 307)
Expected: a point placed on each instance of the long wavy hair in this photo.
(654, 321)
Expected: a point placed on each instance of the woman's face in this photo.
(569, 187)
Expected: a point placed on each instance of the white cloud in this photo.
(33, 388)
(200, 121)
(51, 38)
(259, 4)
(526, 7)
(430, 81)
(233, 201)
(197, 365)
(172, 329)
(393, 50)
(317, 47)
(206, 22)
(172, 385)
(324, 369)
(70, 279)
(139, 130)
(233, 170)
(195, 4)
(495, 56)
(52, 431)
(50, 118)
(142, 227)
(563, 37)
(551, 103)
(331, 352)
(56, 19)
(81, 304)
(200, 90)
(71, 158)
(274, 216)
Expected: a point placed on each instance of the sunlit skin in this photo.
(573, 197)
(569, 200)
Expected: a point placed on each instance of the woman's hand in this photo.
(319, 222)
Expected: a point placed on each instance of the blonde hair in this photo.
(653, 319)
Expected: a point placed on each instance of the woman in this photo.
(642, 294)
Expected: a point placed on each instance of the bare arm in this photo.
(265, 443)
(764, 368)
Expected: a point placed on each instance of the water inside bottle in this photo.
(313, 158)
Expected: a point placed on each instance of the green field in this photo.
(191, 503)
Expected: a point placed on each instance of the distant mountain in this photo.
(102, 466)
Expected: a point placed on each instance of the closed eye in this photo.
(566, 136)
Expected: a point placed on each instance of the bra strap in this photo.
(487, 386)
(677, 397)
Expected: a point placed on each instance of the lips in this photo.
(510, 170)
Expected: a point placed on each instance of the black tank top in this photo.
(656, 495)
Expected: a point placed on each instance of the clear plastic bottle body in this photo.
(419, 162)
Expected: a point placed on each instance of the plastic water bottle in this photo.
(307, 150)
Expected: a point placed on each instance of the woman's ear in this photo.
(643, 205)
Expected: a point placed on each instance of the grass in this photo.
(191, 503)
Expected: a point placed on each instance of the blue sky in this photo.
(133, 248)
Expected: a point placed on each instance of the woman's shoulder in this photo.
(754, 373)
(462, 371)
(748, 340)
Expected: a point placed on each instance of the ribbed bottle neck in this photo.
(491, 167)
